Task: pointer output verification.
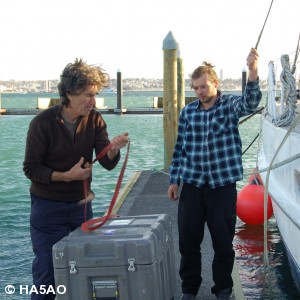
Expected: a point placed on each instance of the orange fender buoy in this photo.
(250, 204)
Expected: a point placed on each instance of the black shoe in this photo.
(187, 297)
(224, 294)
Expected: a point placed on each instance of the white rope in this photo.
(274, 166)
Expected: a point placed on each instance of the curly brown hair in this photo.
(77, 76)
(205, 68)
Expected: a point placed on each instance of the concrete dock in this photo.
(146, 193)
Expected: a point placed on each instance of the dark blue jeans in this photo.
(50, 221)
(217, 208)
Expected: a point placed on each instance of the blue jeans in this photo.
(50, 221)
(217, 208)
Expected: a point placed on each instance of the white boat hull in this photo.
(284, 188)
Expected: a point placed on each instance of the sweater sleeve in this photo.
(101, 141)
(110, 164)
(34, 165)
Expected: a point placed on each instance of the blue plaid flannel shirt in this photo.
(208, 147)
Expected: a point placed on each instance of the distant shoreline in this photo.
(128, 85)
(124, 92)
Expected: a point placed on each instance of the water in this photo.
(146, 134)
(130, 99)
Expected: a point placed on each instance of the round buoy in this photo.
(250, 204)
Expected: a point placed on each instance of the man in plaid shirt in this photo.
(207, 159)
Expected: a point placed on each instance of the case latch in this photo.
(72, 265)
(131, 262)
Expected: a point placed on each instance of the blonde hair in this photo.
(205, 68)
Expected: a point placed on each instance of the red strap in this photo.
(102, 153)
(93, 224)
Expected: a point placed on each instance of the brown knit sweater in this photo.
(51, 147)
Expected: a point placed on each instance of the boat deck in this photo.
(146, 193)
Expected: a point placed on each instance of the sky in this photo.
(39, 38)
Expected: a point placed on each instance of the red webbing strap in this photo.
(93, 224)
(102, 153)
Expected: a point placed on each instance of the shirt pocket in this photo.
(219, 125)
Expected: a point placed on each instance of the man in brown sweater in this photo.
(59, 150)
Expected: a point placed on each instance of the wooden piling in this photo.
(180, 84)
(170, 122)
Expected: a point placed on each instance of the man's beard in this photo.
(207, 100)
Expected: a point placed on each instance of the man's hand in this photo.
(172, 192)
(117, 142)
(252, 63)
(77, 172)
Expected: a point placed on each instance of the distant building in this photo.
(2, 88)
(46, 86)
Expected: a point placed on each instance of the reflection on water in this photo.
(269, 279)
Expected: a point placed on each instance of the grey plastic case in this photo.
(129, 258)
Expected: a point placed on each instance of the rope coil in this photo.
(289, 93)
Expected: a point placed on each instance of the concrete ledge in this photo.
(125, 191)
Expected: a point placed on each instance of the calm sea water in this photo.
(146, 134)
